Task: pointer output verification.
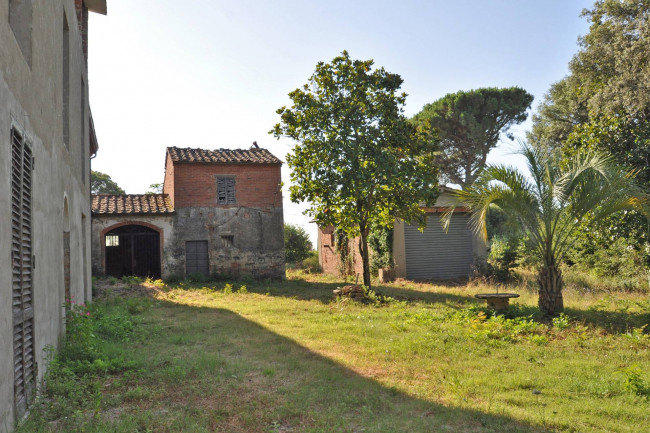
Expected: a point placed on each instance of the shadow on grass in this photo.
(238, 376)
(302, 289)
(298, 288)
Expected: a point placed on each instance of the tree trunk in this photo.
(550, 290)
(365, 256)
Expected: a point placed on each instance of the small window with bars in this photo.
(226, 190)
(228, 240)
(112, 241)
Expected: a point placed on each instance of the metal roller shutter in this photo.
(436, 255)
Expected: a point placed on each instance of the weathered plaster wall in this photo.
(257, 248)
(399, 250)
(102, 224)
(31, 99)
(168, 183)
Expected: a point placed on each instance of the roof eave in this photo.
(106, 214)
(97, 6)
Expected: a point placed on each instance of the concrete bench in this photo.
(497, 301)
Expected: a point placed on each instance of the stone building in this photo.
(47, 137)
(432, 254)
(220, 214)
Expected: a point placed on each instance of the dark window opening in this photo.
(22, 272)
(225, 190)
(82, 138)
(197, 259)
(228, 240)
(65, 88)
(134, 250)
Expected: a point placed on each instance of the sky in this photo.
(212, 73)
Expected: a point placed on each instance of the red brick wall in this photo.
(329, 258)
(195, 185)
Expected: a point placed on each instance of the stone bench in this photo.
(497, 301)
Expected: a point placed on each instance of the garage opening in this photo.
(132, 250)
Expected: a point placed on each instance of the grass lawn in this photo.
(287, 357)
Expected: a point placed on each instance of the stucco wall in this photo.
(31, 99)
(103, 224)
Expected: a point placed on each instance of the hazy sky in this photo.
(212, 73)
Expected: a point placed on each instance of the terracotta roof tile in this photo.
(109, 204)
(253, 155)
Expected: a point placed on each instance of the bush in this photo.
(503, 257)
(197, 277)
(619, 262)
(380, 242)
(297, 245)
(310, 264)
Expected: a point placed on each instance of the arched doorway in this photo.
(132, 250)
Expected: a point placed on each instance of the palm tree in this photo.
(551, 204)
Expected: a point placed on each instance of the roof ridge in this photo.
(222, 155)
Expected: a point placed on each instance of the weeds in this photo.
(131, 280)
(634, 382)
(86, 357)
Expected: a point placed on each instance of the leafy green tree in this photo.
(469, 124)
(296, 243)
(604, 104)
(358, 161)
(553, 205)
(101, 183)
(155, 188)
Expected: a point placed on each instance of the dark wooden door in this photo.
(132, 250)
(197, 258)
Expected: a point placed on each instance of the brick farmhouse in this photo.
(220, 214)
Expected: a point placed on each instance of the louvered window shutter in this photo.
(225, 190)
(21, 262)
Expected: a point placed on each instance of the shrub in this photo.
(380, 242)
(310, 264)
(297, 245)
(197, 277)
(503, 257)
(561, 322)
(131, 280)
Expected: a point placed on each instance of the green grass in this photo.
(287, 357)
